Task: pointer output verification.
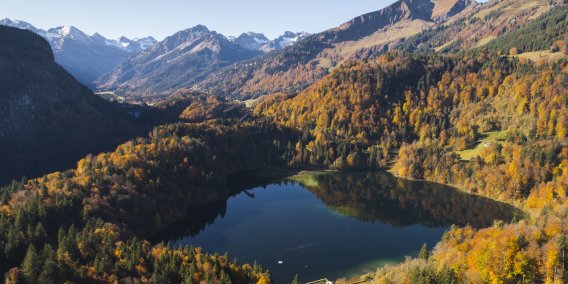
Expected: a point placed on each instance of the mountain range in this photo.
(182, 58)
(86, 57)
(449, 91)
(38, 97)
(90, 57)
(186, 58)
(250, 65)
(294, 68)
(417, 25)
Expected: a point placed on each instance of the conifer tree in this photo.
(31, 266)
(424, 252)
(49, 269)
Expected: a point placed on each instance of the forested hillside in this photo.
(488, 22)
(459, 104)
(89, 223)
(427, 109)
(351, 120)
(548, 32)
(47, 119)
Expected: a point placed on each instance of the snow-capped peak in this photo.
(145, 42)
(259, 42)
(65, 30)
(59, 35)
(16, 24)
(22, 25)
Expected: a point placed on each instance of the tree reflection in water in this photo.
(381, 197)
(370, 196)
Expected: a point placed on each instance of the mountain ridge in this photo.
(179, 59)
(297, 66)
(284, 69)
(86, 57)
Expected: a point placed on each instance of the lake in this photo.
(332, 224)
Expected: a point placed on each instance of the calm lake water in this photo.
(333, 224)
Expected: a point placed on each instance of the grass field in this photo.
(487, 137)
(484, 41)
(306, 178)
(441, 47)
(542, 56)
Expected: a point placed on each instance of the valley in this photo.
(426, 142)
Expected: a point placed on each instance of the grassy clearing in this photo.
(441, 47)
(484, 11)
(251, 103)
(542, 56)
(541, 10)
(488, 137)
(484, 41)
(307, 178)
(397, 31)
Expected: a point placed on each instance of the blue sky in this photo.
(114, 18)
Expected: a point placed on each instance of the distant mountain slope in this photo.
(137, 44)
(251, 41)
(303, 59)
(259, 42)
(47, 119)
(85, 57)
(478, 26)
(287, 39)
(434, 26)
(547, 32)
(178, 61)
(301, 64)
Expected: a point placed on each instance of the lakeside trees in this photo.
(426, 106)
(86, 224)
(89, 223)
(369, 109)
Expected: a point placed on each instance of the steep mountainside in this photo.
(307, 61)
(179, 61)
(479, 26)
(302, 59)
(47, 119)
(85, 57)
(418, 26)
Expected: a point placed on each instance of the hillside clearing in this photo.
(487, 138)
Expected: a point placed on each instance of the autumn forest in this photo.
(485, 118)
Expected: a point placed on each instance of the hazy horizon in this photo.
(135, 19)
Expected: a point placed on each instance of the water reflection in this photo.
(199, 217)
(381, 197)
(371, 196)
(330, 224)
